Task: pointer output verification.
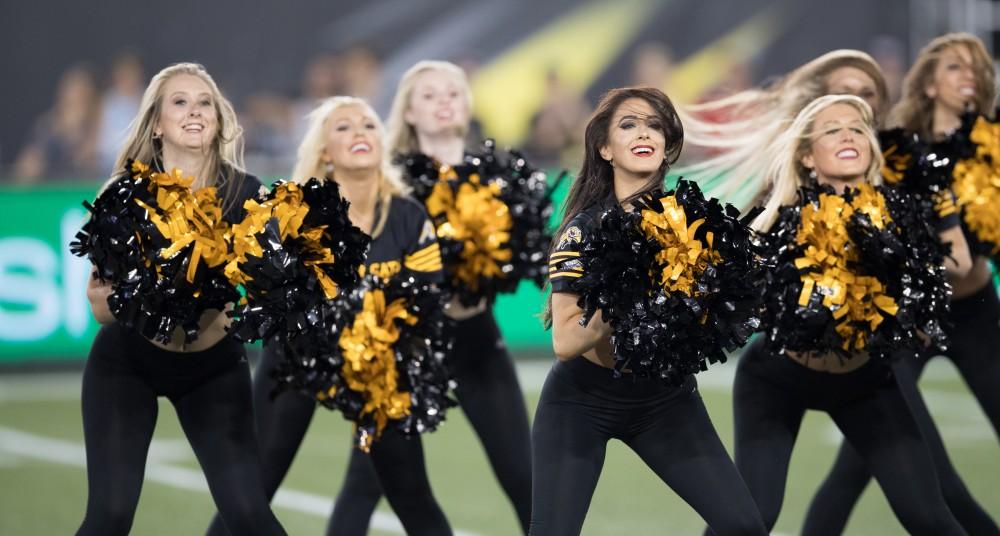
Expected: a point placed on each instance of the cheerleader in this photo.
(344, 142)
(430, 115)
(184, 122)
(953, 74)
(755, 118)
(832, 141)
(630, 142)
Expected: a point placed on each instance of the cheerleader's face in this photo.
(353, 140)
(189, 119)
(953, 84)
(839, 148)
(636, 140)
(438, 104)
(854, 81)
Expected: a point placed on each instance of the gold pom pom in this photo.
(977, 184)
(286, 206)
(853, 299)
(474, 216)
(186, 217)
(683, 257)
(369, 360)
(895, 165)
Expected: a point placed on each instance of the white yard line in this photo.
(38, 386)
(22, 444)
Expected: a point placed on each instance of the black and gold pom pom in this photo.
(491, 213)
(977, 187)
(387, 366)
(846, 277)
(161, 245)
(676, 278)
(294, 252)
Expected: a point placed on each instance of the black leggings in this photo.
(975, 338)
(398, 462)
(491, 398)
(210, 390)
(582, 407)
(771, 395)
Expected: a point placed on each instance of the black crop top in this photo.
(564, 261)
(407, 241)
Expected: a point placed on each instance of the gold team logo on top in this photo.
(570, 236)
(427, 233)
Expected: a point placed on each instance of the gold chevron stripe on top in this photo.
(578, 47)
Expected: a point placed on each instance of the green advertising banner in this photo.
(44, 313)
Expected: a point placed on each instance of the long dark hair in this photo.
(595, 182)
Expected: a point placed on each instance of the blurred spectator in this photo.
(738, 77)
(321, 79)
(890, 54)
(362, 73)
(557, 128)
(119, 105)
(61, 144)
(270, 145)
(651, 66)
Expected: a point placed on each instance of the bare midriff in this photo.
(212, 329)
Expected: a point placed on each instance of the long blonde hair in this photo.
(310, 154)
(785, 169)
(402, 136)
(915, 110)
(225, 152)
(757, 117)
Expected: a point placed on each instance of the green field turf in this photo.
(43, 490)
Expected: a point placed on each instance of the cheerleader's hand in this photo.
(457, 311)
(98, 292)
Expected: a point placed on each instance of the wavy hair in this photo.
(225, 152)
(915, 110)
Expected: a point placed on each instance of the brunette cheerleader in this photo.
(630, 142)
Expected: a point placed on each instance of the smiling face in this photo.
(189, 118)
(839, 147)
(953, 84)
(353, 139)
(853, 81)
(636, 139)
(438, 104)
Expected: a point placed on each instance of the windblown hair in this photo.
(785, 170)
(755, 120)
